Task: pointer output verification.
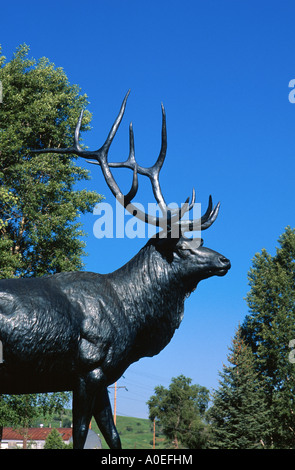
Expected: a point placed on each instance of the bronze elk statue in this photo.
(79, 331)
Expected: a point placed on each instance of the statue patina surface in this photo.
(80, 331)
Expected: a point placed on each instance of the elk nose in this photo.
(224, 261)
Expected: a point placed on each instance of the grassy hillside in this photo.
(135, 433)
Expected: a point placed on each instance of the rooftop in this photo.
(35, 434)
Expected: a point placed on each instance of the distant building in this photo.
(12, 438)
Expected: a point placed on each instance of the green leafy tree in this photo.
(8, 261)
(22, 410)
(40, 204)
(179, 411)
(268, 329)
(239, 416)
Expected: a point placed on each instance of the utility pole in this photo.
(154, 435)
(115, 400)
(115, 404)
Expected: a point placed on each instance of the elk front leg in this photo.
(84, 396)
(103, 416)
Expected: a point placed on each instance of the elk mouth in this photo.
(221, 270)
(225, 268)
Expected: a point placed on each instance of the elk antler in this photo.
(171, 217)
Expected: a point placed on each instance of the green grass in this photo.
(135, 433)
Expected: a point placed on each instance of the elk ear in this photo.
(191, 244)
(165, 246)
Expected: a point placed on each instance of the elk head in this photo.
(189, 256)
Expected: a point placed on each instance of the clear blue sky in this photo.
(222, 70)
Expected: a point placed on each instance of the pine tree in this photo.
(54, 440)
(268, 329)
(239, 417)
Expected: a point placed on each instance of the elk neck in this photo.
(152, 292)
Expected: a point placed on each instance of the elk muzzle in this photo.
(224, 266)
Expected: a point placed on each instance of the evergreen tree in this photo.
(268, 329)
(179, 411)
(39, 200)
(239, 416)
(54, 441)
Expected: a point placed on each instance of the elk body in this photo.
(80, 331)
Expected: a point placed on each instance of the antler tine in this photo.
(177, 214)
(213, 216)
(103, 151)
(159, 163)
(131, 157)
(204, 222)
(77, 131)
(75, 149)
(154, 171)
(130, 162)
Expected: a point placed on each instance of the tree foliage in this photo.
(179, 411)
(239, 416)
(22, 410)
(268, 329)
(40, 205)
(54, 441)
